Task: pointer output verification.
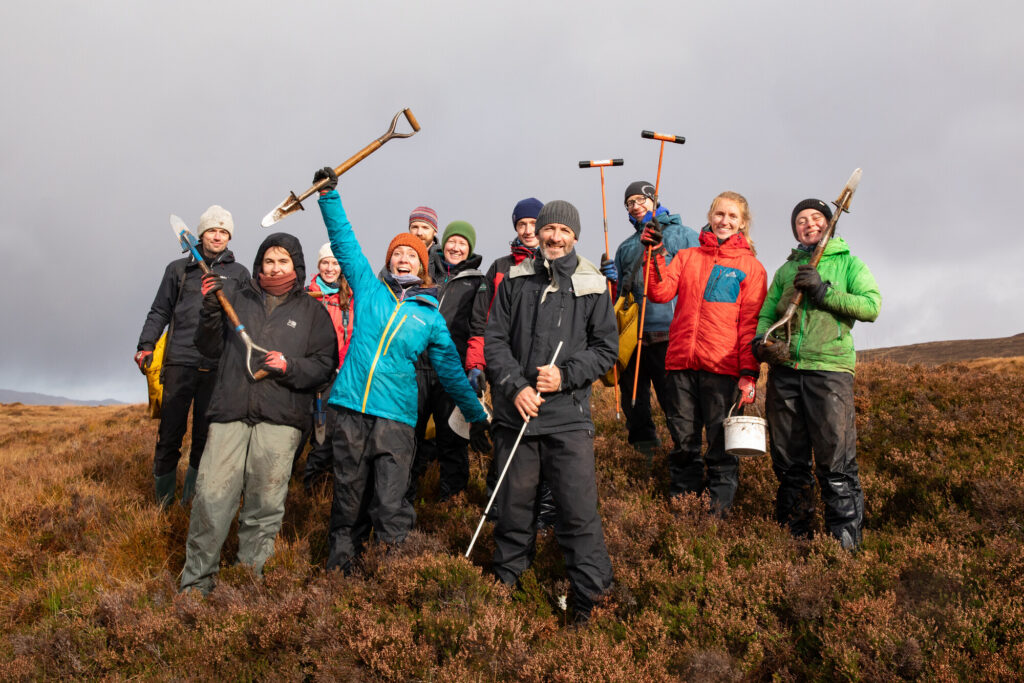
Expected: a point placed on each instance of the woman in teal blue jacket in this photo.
(375, 393)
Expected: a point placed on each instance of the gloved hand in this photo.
(757, 348)
(274, 363)
(748, 391)
(211, 284)
(477, 380)
(326, 172)
(479, 439)
(651, 236)
(608, 268)
(144, 359)
(808, 281)
(774, 354)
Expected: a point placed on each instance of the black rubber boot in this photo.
(189, 489)
(164, 485)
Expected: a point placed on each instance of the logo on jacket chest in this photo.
(292, 324)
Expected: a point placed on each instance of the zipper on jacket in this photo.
(397, 328)
(376, 357)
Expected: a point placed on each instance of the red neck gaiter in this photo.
(277, 285)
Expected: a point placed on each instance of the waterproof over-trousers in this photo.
(448, 448)
(700, 400)
(639, 423)
(184, 387)
(241, 461)
(811, 421)
(372, 465)
(320, 459)
(566, 462)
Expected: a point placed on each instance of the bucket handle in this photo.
(734, 405)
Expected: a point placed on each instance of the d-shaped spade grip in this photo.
(651, 135)
(601, 162)
(411, 119)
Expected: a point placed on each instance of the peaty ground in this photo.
(88, 565)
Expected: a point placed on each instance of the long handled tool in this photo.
(189, 243)
(504, 469)
(292, 203)
(607, 251)
(842, 205)
(663, 138)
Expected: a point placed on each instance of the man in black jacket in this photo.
(556, 297)
(187, 374)
(255, 426)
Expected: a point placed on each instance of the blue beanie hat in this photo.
(526, 208)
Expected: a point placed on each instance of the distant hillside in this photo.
(30, 398)
(937, 353)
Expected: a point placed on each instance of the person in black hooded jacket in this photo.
(256, 425)
(558, 297)
(455, 269)
(188, 376)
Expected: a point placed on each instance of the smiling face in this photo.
(404, 261)
(215, 240)
(456, 249)
(726, 218)
(329, 269)
(556, 240)
(639, 205)
(277, 261)
(526, 230)
(425, 231)
(810, 225)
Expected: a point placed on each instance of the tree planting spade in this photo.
(292, 203)
(189, 243)
(777, 345)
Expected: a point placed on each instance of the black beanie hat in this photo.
(639, 187)
(526, 208)
(559, 211)
(815, 204)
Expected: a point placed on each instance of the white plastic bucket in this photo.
(745, 436)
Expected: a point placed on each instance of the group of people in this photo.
(362, 361)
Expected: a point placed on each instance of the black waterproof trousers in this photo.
(320, 460)
(448, 448)
(184, 387)
(566, 462)
(639, 423)
(372, 464)
(811, 422)
(699, 401)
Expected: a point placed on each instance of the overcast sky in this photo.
(116, 114)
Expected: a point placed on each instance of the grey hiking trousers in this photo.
(240, 461)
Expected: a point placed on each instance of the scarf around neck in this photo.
(277, 285)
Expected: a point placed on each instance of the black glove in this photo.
(479, 439)
(651, 236)
(758, 349)
(211, 284)
(774, 354)
(808, 281)
(326, 172)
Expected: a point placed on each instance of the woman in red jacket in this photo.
(336, 296)
(720, 286)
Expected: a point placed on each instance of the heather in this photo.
(88, 566)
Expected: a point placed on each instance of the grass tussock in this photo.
(88, 565)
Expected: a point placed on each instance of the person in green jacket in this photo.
(809, 402)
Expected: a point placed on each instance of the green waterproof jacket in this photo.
(820, 337)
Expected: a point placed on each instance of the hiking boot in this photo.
(647, 447)
(164, 486)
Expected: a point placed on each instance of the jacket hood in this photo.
(836, 245)
(709, 240)
(441, 273)
(290, 244)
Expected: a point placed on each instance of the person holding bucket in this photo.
(809, 401)
(719, 288)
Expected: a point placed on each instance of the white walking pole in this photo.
(504, 469)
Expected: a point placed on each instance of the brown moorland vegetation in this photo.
(88, 565)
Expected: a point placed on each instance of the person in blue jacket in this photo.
(626, 272)
(375, 394)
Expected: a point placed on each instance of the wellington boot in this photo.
(164, 485)
(189, 489)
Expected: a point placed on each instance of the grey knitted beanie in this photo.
(559, 211)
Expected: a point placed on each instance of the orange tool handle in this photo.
(601, 162)
(651, 135)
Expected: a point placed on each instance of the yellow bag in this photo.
(627, 315)
(156, 387)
